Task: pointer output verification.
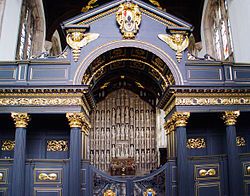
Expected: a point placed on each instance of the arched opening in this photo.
(126, 84)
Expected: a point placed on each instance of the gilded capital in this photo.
(230, 117)
(75, 119)
(86, 126)
(20, 119)
(180, 118)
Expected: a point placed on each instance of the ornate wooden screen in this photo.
(123, 126)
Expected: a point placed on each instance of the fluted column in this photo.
(234, 169)
(75, 123)
(180, 121)
(18, 179)
(85, 139)
(169, 128)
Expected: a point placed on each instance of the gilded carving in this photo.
(230, 117)
(128, 17)
(75, 119)
(47, 177)
(177, 42)
(149, 192)
(77, 39)
(20, 119)
(196, 143)
(8, 145)
(209, 172)
(57, 145)
(180, 118)
(240, 141)
(91, 4)
(109, 192)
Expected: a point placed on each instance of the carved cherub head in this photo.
(177, 38)
(77, 36)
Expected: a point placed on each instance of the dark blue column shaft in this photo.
(234, 171)
(18, 180)
(75, 161)
(182, 162)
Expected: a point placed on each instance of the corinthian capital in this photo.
(230, 117)
(180, 118)
(75, 119)
(20, 119)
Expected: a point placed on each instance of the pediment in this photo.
(85, 19)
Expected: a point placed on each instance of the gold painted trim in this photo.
(20, 119)
(230, 117)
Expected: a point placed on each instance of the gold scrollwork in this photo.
(109, 192)
(149, 192)
(128, 17)
(194, 143)
(90, 5)
(8, 145)
(209, 172)
(240, 141)
(57, 145)
(178, 42)
(47, 177)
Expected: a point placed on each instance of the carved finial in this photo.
(75, 119)
(181, 118)
(230, 117)
(177, 41)
(21, 119)
(128, 17)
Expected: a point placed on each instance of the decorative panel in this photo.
(206, 172)
(4, 175)
(8, 73)
(47, 191)
(246, 169)
(205, 74)
(47, 176)
(48, 73)
(208, 189)
(247, 187)
(242, 74)
(123, 126)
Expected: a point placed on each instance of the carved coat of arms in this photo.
(128, 17)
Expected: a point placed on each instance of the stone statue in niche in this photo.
(97, 118)
(131, 150)
(108, 157)
(113, 151)
(131, 132)
(103, 118)
(137, 157)
(108, 118)
(113, 134)
(131, 116)
(147, 119)
(137, 118)
(91, 157)
(118, 132)
(122, 132)
(126, 115)
(113, 116)
(118, 115)
(126, 132)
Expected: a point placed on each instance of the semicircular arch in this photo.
(85, 63)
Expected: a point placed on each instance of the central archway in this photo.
(126, 83)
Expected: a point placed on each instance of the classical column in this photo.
(18, 179)
(85, 139)
(75, 123)
(180, 119)
(234, 168)
(169, 128)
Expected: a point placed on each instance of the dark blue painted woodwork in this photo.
(182, 163)
(234, 170)
(18, 178)
(75, 161)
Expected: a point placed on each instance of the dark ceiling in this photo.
(57, 11)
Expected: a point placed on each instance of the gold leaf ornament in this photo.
(178, 42)
(76, 40)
